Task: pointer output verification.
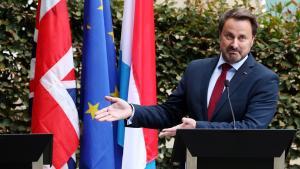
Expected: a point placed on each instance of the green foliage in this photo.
(16, 34)
(278, 47)
(182, 35)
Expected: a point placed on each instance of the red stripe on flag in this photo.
(70, 75)
(144, 66)
(31, 85)
(37, 18)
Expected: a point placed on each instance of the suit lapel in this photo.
(240, 76)
(206, 78)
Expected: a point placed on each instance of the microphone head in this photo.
(226, 83)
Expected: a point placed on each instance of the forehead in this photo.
(237, 26)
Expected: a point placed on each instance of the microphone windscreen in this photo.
(226, 83)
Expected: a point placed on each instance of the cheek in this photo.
(223, 44)
(246, 46)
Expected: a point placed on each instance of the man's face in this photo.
(236, 40)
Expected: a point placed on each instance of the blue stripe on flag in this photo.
(124, 80)
(72, 93)
(151, 165)
(124, 83)
(71, 163)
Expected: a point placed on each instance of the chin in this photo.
(232, 58)
(235, 60)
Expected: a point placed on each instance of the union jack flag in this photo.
(52, 84)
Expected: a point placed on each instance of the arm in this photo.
(166, 115)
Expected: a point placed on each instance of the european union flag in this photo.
(98, 144)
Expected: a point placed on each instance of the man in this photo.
(201, 99)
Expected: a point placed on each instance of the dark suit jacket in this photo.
(253, 93)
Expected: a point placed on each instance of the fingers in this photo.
(186, 120)
(103, 114)
(167, 134)
(188, 123)
(111, 99)
(107, 118)
(172, 129)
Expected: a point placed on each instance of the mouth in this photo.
(233, 52)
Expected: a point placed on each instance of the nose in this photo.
(234, 43)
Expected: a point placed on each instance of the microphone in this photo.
(227, 84)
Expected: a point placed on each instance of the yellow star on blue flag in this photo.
(115, 93)
(92, 109)
(101, 5)
(112, 36)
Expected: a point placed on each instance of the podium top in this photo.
(25, 148)
(243, 143)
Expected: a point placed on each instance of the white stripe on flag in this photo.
(32, 68)
(35, 36)
(53, 84)
(69, 84)
(134, 152)
(127, 29)
(46, 5)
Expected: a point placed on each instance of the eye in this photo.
(242, 38)
(229, 36)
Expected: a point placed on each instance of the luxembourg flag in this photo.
(138, 81)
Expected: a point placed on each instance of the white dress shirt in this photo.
(217, 72)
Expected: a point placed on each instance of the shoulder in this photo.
(265, 71)
(263, 78)
(260, 70)
(203, 63)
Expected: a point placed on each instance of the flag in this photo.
(54, 90)
(99, 78)
(138, 81)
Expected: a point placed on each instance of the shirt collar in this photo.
(236, 66)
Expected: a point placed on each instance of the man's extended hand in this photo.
(118, 110)
(187, 123)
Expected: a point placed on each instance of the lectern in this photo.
(18, 151)
(234, 149)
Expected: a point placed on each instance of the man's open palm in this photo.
(118, 110)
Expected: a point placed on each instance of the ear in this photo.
(252, 41)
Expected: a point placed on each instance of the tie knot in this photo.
(226, 67)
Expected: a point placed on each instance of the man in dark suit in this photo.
(201, 99)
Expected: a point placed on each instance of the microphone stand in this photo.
(226, 83)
